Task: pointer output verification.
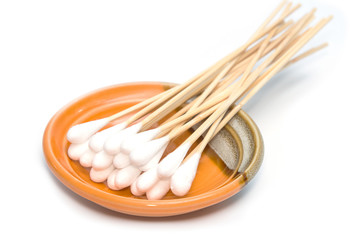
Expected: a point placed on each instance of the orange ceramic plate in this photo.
(211, 185)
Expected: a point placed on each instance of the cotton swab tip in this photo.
(182, 179)
(126, 176)
(76, 150)
(159, 190)
(102, 160)
(144, 153)
(100, 175)
(154, 161)
(121, 160)
(113, 144)
(147, 180)
(87, 158)
(97, 141)
(82, 132)
(111, 180)
(135, 191)
(172, 161)
(133, 141)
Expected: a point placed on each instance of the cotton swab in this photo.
(75, 150)
(181, 181)
(111, 138)
(101, 175)
(129, 153)
(121, 160)
(141, 155)
(112, 144)
(98, 140)
(168, 166)
(171, 162)
(102, 160)
(126, 176)
(154, 160)
(184, 176)
(176, 157)
(135, 140)
(86, 158)
(82, 132)
(114, 149)
(111, 180)
(147, 179)
(159, 190)
(135, 191)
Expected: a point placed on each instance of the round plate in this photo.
(239, 142)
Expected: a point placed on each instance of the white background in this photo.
(54, 51)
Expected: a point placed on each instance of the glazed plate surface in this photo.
(239, 143)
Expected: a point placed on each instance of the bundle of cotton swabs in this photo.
(129, 154)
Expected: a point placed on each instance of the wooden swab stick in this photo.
(174, 91)
(301, 56)
(235, 95)
(191, 123)
(160, 98)
(294, 31)
(180, 130)
(271, 16)
(187, 170)
(235, 73)
(192, 108)
(222, 108)
(280, 63)
(184, 174)
(184, 96)
(82, 132)
(245, 58)
(306, 54)
(271, 46)
(166, 167)
(237, 108)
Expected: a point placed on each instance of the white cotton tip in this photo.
(111, 180)
(159, 190)
(102, 160)
(135, 191)
(172, 161)
(182, 179)
(147, 180)
(154, 161)
(82, 132)
(145, 152)
(126, 176)
(76, 150)
(135, 140)
(97, 141)
(112, 145)
(121, 160)
(87, 158)
(101, 175)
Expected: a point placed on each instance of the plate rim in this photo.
(202, 200)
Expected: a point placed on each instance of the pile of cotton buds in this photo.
(129, 154)
(124, 157)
